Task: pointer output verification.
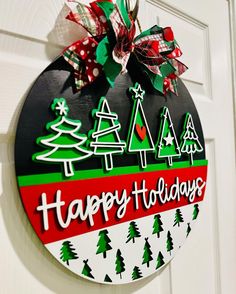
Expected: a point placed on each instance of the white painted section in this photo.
(32, 33)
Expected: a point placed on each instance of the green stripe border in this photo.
(99, 173)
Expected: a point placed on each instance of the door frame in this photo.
(232, 27)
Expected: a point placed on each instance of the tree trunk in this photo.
(68, 169)
(108, 162)
(170, 162)
(191, 158)
(143, 159)
(104, 254)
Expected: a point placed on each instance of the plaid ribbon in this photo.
(92, 18)
(155, 49)
(124, 37)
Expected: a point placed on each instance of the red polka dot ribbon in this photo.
(81, 55)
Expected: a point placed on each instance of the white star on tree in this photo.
(62, 108)
(169, 139)
(137, 91)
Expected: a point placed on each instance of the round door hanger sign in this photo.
(111, 168)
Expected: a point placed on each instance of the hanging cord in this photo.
(134, 12)
(139, 25)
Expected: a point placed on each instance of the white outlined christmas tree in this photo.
(167, 144)
(104, 137)
(65, 143)
(190, 143)
(139, 136)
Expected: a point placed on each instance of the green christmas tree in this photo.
(65, 143)
(169, 243)
(157, 225)
(133, 232)
(160, 260)
(139, 136)
(103, 243)
(136, 274)
(104, 137)
(120, 265)
(195, 211)
(178, 217)
(67, 252)
(167, 144)
(87, 270)
(107, 279)
(190, 143)
(188, 230)
(147, 255)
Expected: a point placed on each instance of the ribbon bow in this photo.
(82, 56)
(155, 49)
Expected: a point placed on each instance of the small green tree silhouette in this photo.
(67, 252)
(107, 279)
(188, 229)
(133, 232)
(178, 218)
(136, 274)
(160, 260)
(103, 243)
(195, 211)
(147, 255)
(169, 243)
(157, 225)
(120, 265)
(87, 270)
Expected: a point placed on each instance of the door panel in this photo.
(207, 262)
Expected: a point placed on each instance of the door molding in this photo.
(232, 25)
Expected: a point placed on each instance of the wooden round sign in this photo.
(112, 179)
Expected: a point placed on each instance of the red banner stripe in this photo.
(113, 200)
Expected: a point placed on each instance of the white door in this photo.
(29, 40)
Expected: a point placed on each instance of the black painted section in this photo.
(57, 81)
